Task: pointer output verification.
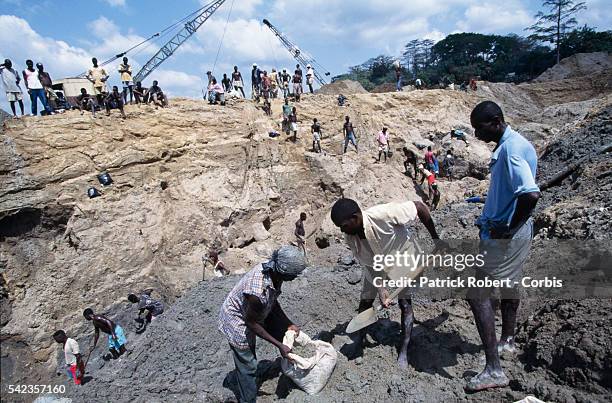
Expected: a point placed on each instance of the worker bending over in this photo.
(252, 309)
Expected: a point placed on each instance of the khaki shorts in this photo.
(14, 96)
(504, 260)
(99, 89)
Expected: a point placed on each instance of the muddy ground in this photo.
(564, 354)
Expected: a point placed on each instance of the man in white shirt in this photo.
(35, 88)
(380, 231)
(310, 78)
(10, 79)
(72, 355)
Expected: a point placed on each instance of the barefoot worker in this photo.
(251, 309)
(72, 355)
(116, 337)
(151, 308)
(381, 230)
(513, 194)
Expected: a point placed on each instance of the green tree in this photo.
(586, 40)
(552, 27)
(417, 55)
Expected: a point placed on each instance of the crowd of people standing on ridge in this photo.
(39, 85)
(264, 85)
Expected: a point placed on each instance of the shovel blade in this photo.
(364, 319)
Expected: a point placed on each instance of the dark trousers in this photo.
(246, 360)
(35, 95)
(246, 367)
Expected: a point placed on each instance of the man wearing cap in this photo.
(251, 309)
(310, 77)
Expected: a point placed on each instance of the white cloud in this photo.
(59, 58)
(383, 25)
(245, 41)
(434, 35)
(113, 40)
(64, 60)
(491, 18)
(116, 3)
(175, 79)
(596, 15)
(241, 8)
(401, 29)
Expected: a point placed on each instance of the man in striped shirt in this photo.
(251, 309)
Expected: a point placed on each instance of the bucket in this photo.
(105, 179)
(93, 192)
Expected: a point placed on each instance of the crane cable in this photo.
(223, 35)
(159, 34)
(205, 91)
(273, 51)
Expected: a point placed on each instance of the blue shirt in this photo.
(513, 170)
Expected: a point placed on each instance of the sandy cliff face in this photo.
(192, 177)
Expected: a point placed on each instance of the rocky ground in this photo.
(194, 177)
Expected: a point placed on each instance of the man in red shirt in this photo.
(432, 185)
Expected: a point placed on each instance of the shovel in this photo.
(370, 316)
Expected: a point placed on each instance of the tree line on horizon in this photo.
(459, 57)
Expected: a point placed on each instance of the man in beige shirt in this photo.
(125, 70)
(97, 75)
(381, 230)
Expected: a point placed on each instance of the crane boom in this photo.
(177, 40)
(301, 57)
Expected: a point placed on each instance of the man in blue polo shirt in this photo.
(513, 194)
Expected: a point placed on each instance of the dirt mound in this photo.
(578, 206)
(4, 116)
(571, 340)
(345, 87)
(578, 65)
(183, 356)
(386, 87)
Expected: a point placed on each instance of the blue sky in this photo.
(64, 35)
